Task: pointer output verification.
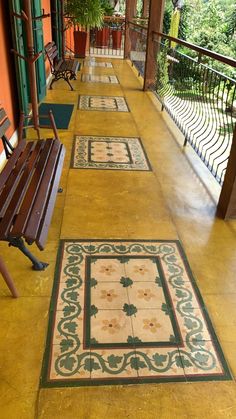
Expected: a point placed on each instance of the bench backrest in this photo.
(52, 54)
(4, 125)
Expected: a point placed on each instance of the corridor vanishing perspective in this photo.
(144, 285)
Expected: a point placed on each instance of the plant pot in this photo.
(80, 39)
(116, 39)
(102, 37)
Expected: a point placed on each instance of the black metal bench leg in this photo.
(50, 87)
(19, 243)
(68, 81)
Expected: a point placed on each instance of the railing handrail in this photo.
(137, 25)
(200, 50)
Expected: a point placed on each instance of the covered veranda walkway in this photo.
(168, 202)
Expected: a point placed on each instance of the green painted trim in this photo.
(52, 314)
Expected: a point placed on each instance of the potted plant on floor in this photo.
(116, 32)
(83, 14)
(103, 34)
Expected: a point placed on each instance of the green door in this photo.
(39, 46)
(56, 24)
(21, 66)
(19, 42)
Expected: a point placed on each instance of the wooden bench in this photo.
(61, 69)
(28, 188)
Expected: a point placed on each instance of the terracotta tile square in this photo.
(152, 326)
(92, 78)
(102, 269)
(109, 295)
(109, 153)
(110, 327)
(141, 269)
(103, 103)
(146, 295)
(92, 63)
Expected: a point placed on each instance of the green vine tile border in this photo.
(196, 361)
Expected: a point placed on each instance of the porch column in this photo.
(227, 203)
(130, 12)
(145, 8)
(156, 14)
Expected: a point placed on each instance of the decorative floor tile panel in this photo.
(92, 63)
(128, 312)
(92, 78)
(103, 103)
(114, 153)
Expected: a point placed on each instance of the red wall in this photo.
(8, 87)
(8, 90)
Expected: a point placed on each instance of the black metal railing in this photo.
(138, 40)
(201, 101)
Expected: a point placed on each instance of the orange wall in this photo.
(8, 90)
(8, 87)
(47, 28)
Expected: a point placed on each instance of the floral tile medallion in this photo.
(128, 312)
(93, 63)
(103, 103)
(92, 78)
(114, 153)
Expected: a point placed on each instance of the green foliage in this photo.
(85, 12)
(211, 24)
(107, 7)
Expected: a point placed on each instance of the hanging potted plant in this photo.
(83, 14)
(103, 34)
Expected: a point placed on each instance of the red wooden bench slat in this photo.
(6, 172)
(28, 201)
(13, 179)
(33, 224)
(43, 230)
(28, 188)
(20, 190)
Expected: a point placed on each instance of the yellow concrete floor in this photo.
(168, 203)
